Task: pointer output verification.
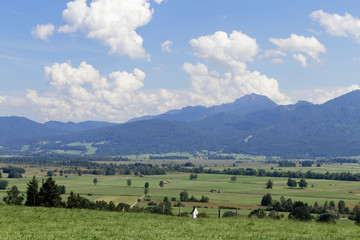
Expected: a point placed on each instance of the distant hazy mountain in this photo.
(242, 106)
(147, 136)
(252, 124)
(77, 127)
(15, 131)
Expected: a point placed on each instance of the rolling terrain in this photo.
(251, 125)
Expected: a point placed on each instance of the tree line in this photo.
(328, 212)
(344, 176)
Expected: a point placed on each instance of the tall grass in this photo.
(48, 223)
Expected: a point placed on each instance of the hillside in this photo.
(299, 130)
(246, 104)
(53, 223)
(147, 136)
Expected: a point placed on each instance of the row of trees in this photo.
(344, 176)
(184, 197)
(328, 212)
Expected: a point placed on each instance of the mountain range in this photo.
(252, 124)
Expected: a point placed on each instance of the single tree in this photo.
(128, 182)
(233, 179)
(184, 196)
(3, 184)
(62, 189)
(95, 181)
(341, 206)
(303, 183)
(147, 185)
(266, 200)
(32, 193)
(193, 176)
(291, 183)
(13, 196)
(161, 183)
(300, 213)
(332, 205)
(269, 184)
(49, 195)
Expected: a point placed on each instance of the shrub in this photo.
(229, 214)
(202, 215)
(300, 213)
(257, 213)
(329, 216)
(3, 184)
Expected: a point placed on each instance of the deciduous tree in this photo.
(13, 196)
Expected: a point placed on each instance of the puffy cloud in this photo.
(322, 95)
(81, 93)
(231, 50)
(278, 60)
(112, 22)
(43, 31)
(159, 1)
(166, 46)
(210, 87)
(337, 25)
(301, 59)
(298, 45)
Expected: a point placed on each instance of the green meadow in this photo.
(245, 193)
(56, 223)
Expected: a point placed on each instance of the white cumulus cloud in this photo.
(231, 52)
(166, 46)
(301, 59)
(302, 48)
(322, 95)
(43, 31)
(159, 1)
(338, 25)
(112, 22)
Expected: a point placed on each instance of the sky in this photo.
(113, 60)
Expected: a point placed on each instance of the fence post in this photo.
(179, 210)
(219, 212)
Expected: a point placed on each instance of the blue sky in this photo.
(118, 59)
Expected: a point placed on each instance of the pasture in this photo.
(245, 193)
(57, 223)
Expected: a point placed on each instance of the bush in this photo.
(329, 216)
(229, 214)
(3, 184)
(273, 214)
(14, 174)
(202, 215)
(123, 206)
(300, 213)
(257, 213)
(179, 204)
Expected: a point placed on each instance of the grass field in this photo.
(245, 193)
(50, 223)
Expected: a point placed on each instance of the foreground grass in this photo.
(47, 223)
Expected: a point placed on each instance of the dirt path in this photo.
(134, 204)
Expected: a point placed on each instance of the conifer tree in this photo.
(32, 193)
